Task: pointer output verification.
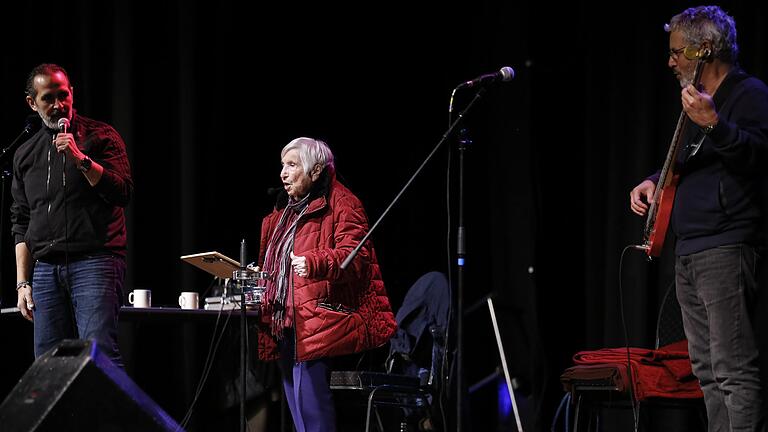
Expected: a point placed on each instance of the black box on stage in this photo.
(75, 386)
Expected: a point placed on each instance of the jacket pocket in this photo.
(338, 307)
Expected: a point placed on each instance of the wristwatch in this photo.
(708, 128)
(85, 164)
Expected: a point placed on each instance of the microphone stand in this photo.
(8, 152)
(251, 292)
(4, 174)
(445, 136)
(464, 141)
(242, 276)
(6, 155)
(460, 247)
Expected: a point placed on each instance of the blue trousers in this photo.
(307, 390)
(716, 289)
(79, 300)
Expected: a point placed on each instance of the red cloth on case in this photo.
(665, 372)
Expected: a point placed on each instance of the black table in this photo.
(165, 351)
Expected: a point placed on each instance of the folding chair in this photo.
(660, 377)
(413, 366)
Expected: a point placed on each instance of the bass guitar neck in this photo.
(660, 210)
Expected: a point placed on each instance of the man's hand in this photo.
(640, 196)
(65, 143)
(699, 106)
(24, 302)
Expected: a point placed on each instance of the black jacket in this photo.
(720, 194)
(75, 218)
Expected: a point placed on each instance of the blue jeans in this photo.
(716, 289)
(80, 300)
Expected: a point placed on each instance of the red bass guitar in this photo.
(664, 197)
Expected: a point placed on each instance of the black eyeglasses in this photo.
(675, 52)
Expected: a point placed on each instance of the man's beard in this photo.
(52, 122)
(685, 78)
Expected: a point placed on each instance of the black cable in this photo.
(565, 402)
(209, 287)
(210, 357)
(632, 396)
(445, 377)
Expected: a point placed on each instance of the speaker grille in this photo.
(75, 387)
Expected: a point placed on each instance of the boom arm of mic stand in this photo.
(8, 152)
(445, 136)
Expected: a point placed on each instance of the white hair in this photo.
(311, 152)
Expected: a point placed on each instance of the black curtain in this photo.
(207, 93)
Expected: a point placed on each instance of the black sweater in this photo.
(78, 218)
(720, 193)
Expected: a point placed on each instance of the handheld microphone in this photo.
(504, 74)
(63, 124)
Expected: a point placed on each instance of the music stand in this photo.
(214, 263)
(224, 267)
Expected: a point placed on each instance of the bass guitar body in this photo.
(658, 233)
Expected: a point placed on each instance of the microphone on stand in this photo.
(243, 255)
(504, 74)
(31, 125)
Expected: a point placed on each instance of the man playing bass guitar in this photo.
(717, 214)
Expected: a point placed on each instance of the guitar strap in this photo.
(694, 146)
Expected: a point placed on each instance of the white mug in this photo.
(188, 300)
(140, 298)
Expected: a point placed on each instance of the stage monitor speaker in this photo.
(75, 387)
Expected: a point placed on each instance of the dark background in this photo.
(205, 95)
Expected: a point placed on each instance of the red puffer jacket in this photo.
(335, 312)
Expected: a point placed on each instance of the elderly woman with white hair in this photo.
(313, 308)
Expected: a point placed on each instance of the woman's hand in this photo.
(299, 264)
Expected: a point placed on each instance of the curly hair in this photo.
(708, 23)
